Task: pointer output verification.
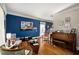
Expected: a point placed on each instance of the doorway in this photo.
(42, 28)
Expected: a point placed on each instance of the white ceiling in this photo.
(39, 10)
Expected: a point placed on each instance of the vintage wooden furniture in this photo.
(65, 40)
(35, 45)
(35, 49)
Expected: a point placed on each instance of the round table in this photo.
(22, 49)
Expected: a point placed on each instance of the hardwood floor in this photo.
(47, 49)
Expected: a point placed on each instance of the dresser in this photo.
(65, 40)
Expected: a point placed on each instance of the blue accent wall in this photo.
(13, 25)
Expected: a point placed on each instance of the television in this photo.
(26, 25)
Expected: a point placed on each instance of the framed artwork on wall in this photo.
(26, 25)
(67, 19)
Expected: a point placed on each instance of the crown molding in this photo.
(27, 15)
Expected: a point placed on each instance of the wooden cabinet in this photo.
(65, 40)
(35, 49)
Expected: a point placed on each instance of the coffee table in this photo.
(22, 49)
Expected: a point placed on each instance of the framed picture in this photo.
(67, 19)
(26, 25)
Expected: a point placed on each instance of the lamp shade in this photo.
(8, 35)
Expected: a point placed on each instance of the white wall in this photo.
(2, 30)
(4, 7)
(73, 13)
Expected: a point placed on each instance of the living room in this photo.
(39, 29)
